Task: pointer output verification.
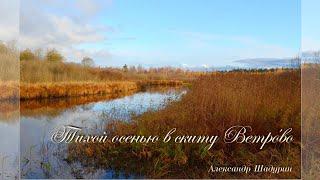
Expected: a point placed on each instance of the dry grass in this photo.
(41, 78)
(9, 63)
(9, 90)
(311, 119)
(9, 72)
(266, 101)
(70, 89)
(40, 71)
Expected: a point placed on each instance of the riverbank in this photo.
(10, 90)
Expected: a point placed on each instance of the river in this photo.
(41, 158)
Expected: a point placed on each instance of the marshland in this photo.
(138, 101)
(267, 101)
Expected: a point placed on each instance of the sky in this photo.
(9, 20)
(168, 33)
(310, 25)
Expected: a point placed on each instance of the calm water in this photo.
(9, 150)
(40, 158)
(9, 140)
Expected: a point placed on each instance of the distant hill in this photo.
(211, 68)
(265, 62)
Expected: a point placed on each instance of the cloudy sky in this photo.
(9, 20)
(158, 33)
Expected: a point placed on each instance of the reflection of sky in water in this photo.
(9, 149)
(137, 104)
(36, 130)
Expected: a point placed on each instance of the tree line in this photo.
(51, 55)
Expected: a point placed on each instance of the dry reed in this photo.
(265, 101)
(311, 119)
(70, 89)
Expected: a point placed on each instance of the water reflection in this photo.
(9, 143)
(40, 158)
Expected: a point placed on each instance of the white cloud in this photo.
(88, 7)
(49, 28)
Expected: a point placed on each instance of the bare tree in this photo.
(87, 62)
(125, 68)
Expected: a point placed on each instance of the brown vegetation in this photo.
(70, 89)
(9, 63)
(9, 111)
(311, 119)
(36, 68)
(42, 71)
(266, 101)
(9, 82)
(9, 90)
(9, 74)
(48, 76)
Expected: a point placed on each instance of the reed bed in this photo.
(159, 83)
(9, 90)
(311, 119)
(71, 89)
(9, 63)
(9, 72)
(265, 101)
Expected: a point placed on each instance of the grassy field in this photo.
(266, 101)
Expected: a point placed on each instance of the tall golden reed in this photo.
(265, 101)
